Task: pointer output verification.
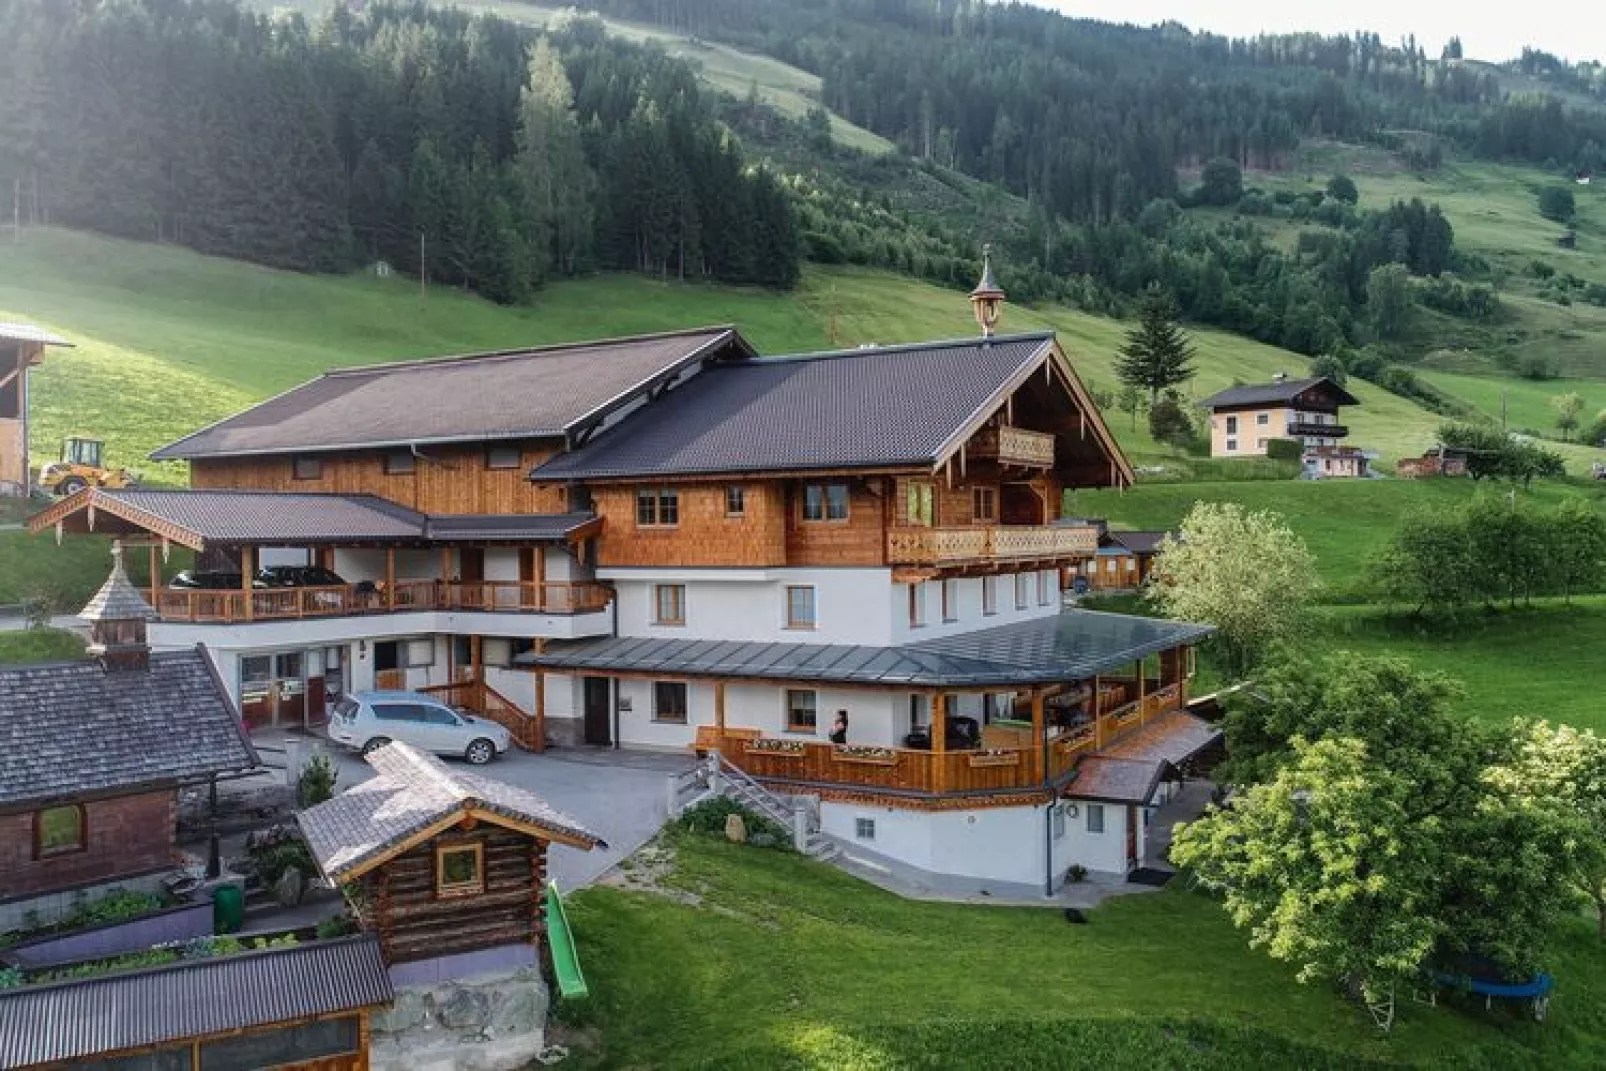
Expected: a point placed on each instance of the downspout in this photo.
(1048, 823)
(613, 712)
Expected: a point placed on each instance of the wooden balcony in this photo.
(906, 772)
(278, 604)
(914, 545)
(1009, 445)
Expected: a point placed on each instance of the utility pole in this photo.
(1502, 409)
(423, 271)
(16, 211)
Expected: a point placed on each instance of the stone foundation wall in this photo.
(491, 1022)
(566, 732)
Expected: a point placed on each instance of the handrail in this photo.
(277, 604)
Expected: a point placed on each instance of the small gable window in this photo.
(459, 869)
(503, 457)
(399, 463)
(657, 507)
(735, 501)
(825, 502)
(307, 468)
(58, 830)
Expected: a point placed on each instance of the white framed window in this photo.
(1262, 419)
(1232, 425)
(864, 828)
(800, 606)
(950, 600)
(420, 653)
(669, 604)
(1095, 818)
(1044, 596)
(825, 502)
(802, 710)
(919, 711)
(735, 501)
(657, 507)
(989, 595)
(917, 605)
(983, 504)
(1232, 445)
(669, 701)
(1022, 592)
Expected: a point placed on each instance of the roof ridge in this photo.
(872, 349)
(522, 351)
(425, 764)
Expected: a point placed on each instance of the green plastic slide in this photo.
(565, 960)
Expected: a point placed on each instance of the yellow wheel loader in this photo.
(80, 467)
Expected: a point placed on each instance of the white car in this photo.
(364, 721)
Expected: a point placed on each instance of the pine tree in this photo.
(1157, 355)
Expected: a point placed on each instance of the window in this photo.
(503, 457)
(669, 604)
(420, 653)
(825, 502)
(917, 605)
(657, 507)
(399, 463)
(269, 1048)
(1232, 444)
(1095, 818)
(1059, 823)
(800, 606)
(983, 504)
(1262, 419)
(1022, 592)
(669, 701)
(58, 830)
(921, 503)
(1260, 443)
(989, 594)
(864, 828)
(950, 600)
(919, 711)
(398, 712)
(459, 869)
(1232, 425)
(1043, 594)
(306, 468)
(801, 710)
(735, 501)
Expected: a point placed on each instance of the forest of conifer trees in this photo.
(402, 133)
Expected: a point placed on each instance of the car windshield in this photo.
(346, 708)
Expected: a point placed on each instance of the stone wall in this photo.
(490, 1022)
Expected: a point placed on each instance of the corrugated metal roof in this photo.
(412, 792)
(465, 527)
(1072, 645)
(1282, 390)
(893, 405)
(75, 727)
(527, 393)
(84, 1018)
(16, 332)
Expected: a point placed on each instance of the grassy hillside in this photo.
(1526, 402)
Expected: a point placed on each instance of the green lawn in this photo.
(783, 963)
(34, 566)
(39, 645)
(1526, 402)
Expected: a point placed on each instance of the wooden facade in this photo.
(447, 479)
(419, 916)
(16, 357)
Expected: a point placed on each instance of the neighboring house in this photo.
(304, 1008)
(92, 754)
(1123, 561)
(1244, 420)
(669, 542)
(1440, 461)
(22, 347)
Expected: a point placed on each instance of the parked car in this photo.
(208, 580)
(364, 721)
(298, 576)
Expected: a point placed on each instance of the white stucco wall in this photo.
(851, 605)
(967, 606)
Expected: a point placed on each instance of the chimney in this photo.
(117, 617)
(987, 299)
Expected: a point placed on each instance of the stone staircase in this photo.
(799, 815)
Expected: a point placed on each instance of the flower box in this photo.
(786, 749)
(995, 758)
(874, 756)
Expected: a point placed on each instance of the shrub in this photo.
(335, 926)
(1331, 367)
(1076, 874)
(1169, 423)
(1285, 449)
(1556, 202)
(10, 977)
(316, 783)
(710, 815)
(1342, 188)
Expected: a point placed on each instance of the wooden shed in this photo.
(22, 346)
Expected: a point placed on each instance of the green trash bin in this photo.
(228, 909)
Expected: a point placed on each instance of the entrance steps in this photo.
(799, 815)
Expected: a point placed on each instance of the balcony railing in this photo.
(915, 545)
(1014, 446)
(1323, 431)
(278, 604)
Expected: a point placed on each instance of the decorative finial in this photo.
(987, 299)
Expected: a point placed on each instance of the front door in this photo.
(598, 724)
(290, 685)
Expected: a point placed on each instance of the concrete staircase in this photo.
(716, 776)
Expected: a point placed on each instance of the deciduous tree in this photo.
(1568, 407)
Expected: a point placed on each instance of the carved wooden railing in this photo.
(277, 604)
(913, 544)
(1010, 445)
(861, 766)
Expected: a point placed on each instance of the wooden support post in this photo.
(156, 576)
(247, 574)
(541, 601)
(719, 708)
(1141, 674)
(939, 741)
(390, 578)
(1039, 735)
(540, 707)
(476, 666)
(1098, 715)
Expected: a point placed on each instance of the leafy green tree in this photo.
(1169, 422)
(1568, 407)
(1131, 402)
(1331, 367)
(1245, 572)
(1427, 564)
(1388, 297)
(1342, 188)
(1220, 183)
(1158, 354)
(1556, 202)
(1595, 435)
(1577, 547)
(552, 167)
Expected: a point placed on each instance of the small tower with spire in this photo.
(117, 617)
(987, 299)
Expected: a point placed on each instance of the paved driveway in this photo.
(620, 795)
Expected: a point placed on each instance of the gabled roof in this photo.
(1174, 736)
(542, 392)
(1128, 770)
(1136, 542)
(88, 1017)
(1282, 390)
(16, 332)
(414, 797)
(210, 518)
(1113, 780)
(74, 728)
(876, 407)
(1073, 645)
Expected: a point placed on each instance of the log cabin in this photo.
(842, 571)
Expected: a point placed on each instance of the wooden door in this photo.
(598, 723)
(390, 680)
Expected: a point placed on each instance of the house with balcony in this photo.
(1244, 419)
